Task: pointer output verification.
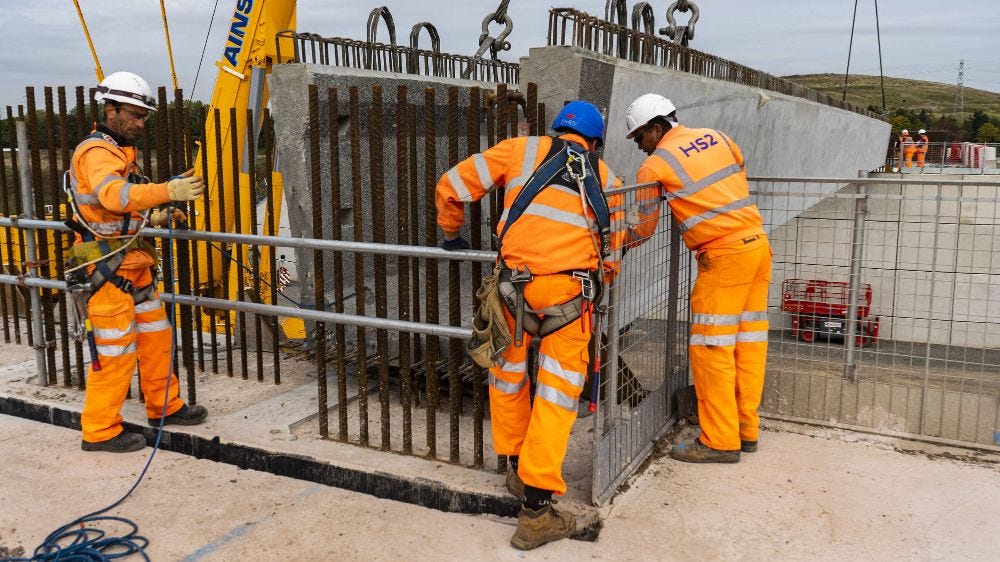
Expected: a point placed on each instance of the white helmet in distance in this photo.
(126, 87)
(644, 109)
(904, 132)
(921, 132)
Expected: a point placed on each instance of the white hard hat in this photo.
(126, 87)
(905, 132)
(644, 109)
(921, 131)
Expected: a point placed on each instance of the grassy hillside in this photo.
(900, 93)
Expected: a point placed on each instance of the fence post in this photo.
(27, 212)
(857, 255)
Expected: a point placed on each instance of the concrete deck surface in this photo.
(807, 494)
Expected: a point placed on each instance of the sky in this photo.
(44, 45)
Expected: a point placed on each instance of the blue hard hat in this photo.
(580, 117)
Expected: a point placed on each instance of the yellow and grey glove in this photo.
(185, 187)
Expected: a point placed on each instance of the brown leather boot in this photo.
(535, 528)
(124, 442)
(695, 451)
(514, 484)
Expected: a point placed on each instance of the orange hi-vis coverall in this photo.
(922, 144)
(703, 176)
(552, 238)
(907, 149)
(125, 332)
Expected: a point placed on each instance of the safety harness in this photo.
(571, 161)
(106, 254)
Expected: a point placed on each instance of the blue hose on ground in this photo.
(81, 539)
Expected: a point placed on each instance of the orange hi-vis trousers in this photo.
(539, 433)
(728, 348)
(126, 333)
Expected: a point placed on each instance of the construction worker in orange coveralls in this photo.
(130, 327)
(906, 149)
(703, 176)
(923, 143)
(554, 253)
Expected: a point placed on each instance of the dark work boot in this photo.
(514, 484)
(748, 446)
(187, 415)
(535, 528)
(695, 451)
(124, 442)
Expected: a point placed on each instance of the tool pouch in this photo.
(490, 336)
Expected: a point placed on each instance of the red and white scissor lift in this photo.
(819, 310)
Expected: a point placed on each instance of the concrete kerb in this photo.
(431, 483)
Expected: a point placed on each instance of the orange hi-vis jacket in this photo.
(704, 178)
(99, 182)
(922, 143)
(552, 235)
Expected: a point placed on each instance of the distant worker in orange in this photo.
(922, 145)
(110, 199)
(906, 149)
(555, 249)
(703, 176)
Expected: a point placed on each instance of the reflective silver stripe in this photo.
(107, 228)
(752, 336)
(675, 165)
(715, 319)
(712, 213)
(528, 163)
(556, 215)
(479, 161)
(616, 208)
(701, 339)
(113, 333)
(553, 366)
(123, 195)
(149, 305)
(729, 144)
(507, 387)
(556, 397)
(154, 326)
(509, 367)
(116, 350)
(690, 187)
(107, 179)
(460, 188)
(85, 198)
(565, 189)
(753, 316)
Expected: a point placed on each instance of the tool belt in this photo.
(542, 322)
(105, 268)
(490, 336)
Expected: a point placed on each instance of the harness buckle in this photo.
(575, 158)
(125, 285)
(586, 284)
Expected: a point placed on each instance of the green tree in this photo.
(988, 132)
(899, 122)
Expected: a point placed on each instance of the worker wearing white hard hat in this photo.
(703, 175)
(110, 199)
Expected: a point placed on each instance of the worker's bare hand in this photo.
(188, 187)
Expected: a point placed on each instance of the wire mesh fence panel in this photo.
(644, 342)
(883, 305)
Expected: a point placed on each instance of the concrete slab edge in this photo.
(419, 491)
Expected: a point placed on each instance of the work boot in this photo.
(695, 451)
(187, 415)
(748, 446)
(535, 528)
(514, 484)
(124, 442)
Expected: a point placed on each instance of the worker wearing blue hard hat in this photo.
(552, 261)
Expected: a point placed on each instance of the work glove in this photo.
(456, 243)
(159, 217)
(185, 187)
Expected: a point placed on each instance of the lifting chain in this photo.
(680, 35)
